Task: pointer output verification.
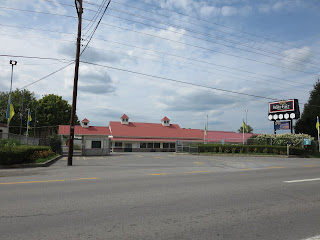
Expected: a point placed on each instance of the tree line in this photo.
(47, 113)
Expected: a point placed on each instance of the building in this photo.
(3, 131)
(127, 136)
(91, 140)
(146, 137)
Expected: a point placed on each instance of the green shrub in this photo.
(55, 143)
(250, 149)
(9, 143)
(19, 154)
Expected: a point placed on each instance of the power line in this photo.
(218, 24)
(177, 81)
(201, 61)
(202, 70)
(94, 18)
(201, 33)
(202, 39)
(208, 49)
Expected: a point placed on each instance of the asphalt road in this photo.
(163, 196)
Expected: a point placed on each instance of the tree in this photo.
(53, 111)
(250, 129)
(307, 122)
(21, 100)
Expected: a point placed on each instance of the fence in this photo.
(29, 140)
(186, 147)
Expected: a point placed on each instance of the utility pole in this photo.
(78, 4)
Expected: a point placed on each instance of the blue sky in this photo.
(269, 49)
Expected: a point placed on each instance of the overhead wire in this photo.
(207, 35)
(208, 49)
(218, 24)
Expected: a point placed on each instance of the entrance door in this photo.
(128, 147)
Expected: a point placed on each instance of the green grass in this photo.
(42, 160)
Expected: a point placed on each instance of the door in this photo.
(128, 147)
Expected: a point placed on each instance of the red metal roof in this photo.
(217, 136)
(153, 130)
(85, 120)
(79, 130)
(124, 116)
(3, 125)
(145, 139)
(165, 119)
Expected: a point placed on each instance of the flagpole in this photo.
(28, 122)
(318, 132)
(9, 100)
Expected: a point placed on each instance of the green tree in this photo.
(53, 111)
(307, 123)
(21, 100)
(250, 129)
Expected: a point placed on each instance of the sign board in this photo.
(222, 141)
(307, 141)
(284, 110)
(281, 106)
(282, 125)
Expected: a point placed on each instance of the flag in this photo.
(205, 130)
(317, 124)
(244, 126)
(29, 118)
(10, 110)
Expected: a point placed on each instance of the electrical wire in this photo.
(207, 35)
(218, 24)
(208, 49)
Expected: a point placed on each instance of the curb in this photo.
(249, 155)
(32, 165)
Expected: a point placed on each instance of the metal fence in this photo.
(29, 140)
(186, 147)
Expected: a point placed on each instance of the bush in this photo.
(250, 149)
(55, 143)
(9, 143)
(19, 154)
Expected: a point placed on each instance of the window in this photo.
(165, 145)
(143, 145)
(118, 144)
(156, 145)
(85, 123)
(96, 144)
(172, 145)
(150, 145)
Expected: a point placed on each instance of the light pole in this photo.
(12, 62)
(247, 126)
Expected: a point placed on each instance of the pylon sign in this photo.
(284, 110)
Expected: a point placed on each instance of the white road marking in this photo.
(303, 180)
(313, 238)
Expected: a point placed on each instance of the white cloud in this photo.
(296, 57)
(228, 11)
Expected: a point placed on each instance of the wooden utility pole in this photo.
(78, 4)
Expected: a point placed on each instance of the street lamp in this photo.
(247, 125)
(12, 62)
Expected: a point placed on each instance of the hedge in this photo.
(264, 149)
(19, 154)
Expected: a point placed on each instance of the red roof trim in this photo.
(85, 120)
(124, 116)
(165, 119)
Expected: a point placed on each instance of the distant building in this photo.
(127, 136)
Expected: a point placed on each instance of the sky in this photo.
(189, 60)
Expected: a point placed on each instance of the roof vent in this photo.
(85, 123)
(165, 122)
(124, 119)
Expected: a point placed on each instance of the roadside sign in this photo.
(307, 141)
(222, 141)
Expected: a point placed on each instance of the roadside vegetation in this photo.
(12, 152)
(267, 144)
